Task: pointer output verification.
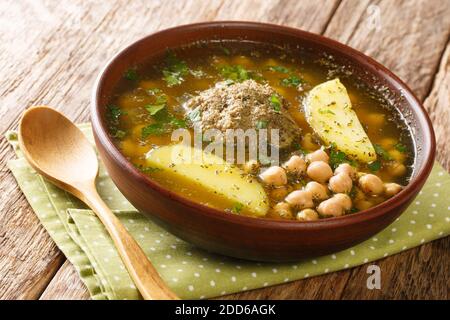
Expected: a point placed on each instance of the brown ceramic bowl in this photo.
(245, 237)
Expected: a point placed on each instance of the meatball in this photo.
(319, 171)
(307, 215)
(295, 165)
(318, 155)
(371, 184)
(341, 183)
(274, 176)
(319, 191)
(300, 199)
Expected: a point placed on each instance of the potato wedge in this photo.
(329, 112)
(212, 173)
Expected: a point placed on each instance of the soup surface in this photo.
(316, 177)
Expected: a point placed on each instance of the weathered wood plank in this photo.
(52, 55)
(408, 37)
(66, 285)
(409, 41)
(438, 106)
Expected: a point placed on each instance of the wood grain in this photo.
(66, 285)
(53, 53)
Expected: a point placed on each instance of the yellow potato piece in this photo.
(213, 174)
(329, 112)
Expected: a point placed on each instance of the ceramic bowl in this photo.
(246, 237)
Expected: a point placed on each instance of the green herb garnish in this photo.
(154, 129)
(337, 157)
(235, 73)
(291, 81)
(401, 147)
(280, 69)
(237, 207)
(275, 102)
(131, 74)
(160, 103)
(165, 123)
(374, 166)
(382, 152)
(175, 71)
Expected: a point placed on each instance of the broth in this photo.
(153, 93)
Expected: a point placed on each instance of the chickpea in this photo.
(371, 184)
(344, 200)
(391, 189)
(274, 176)
(251, 166)
(282, 210)
(319, 191)
(340, 183)
(330, 207)
(347, 169)
(319, 171)
(318, 155)
(396, 169)
(279, 193)
(307, 215)
(300, 199)
(295, 165)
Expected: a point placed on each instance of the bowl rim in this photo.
(362, 216)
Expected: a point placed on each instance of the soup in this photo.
(342, 148)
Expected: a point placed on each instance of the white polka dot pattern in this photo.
(191, 272)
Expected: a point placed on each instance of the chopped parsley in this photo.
(113, 115)
(374, 166)
(401, 147)
(337, 157)
(165, 123)
(175, 70)
(379, 150)
(280, 69)
(160, 103)
(275, 102)
(235, 73)
(291, 81)
(131, 74)
(237, 207)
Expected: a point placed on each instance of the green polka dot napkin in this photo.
(189, 271)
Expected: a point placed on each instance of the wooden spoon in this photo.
(59, 151)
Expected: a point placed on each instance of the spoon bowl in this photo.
(57, 146)
(59, 151)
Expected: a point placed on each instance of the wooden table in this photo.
(50, 53)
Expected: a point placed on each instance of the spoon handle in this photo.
(144, 275)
